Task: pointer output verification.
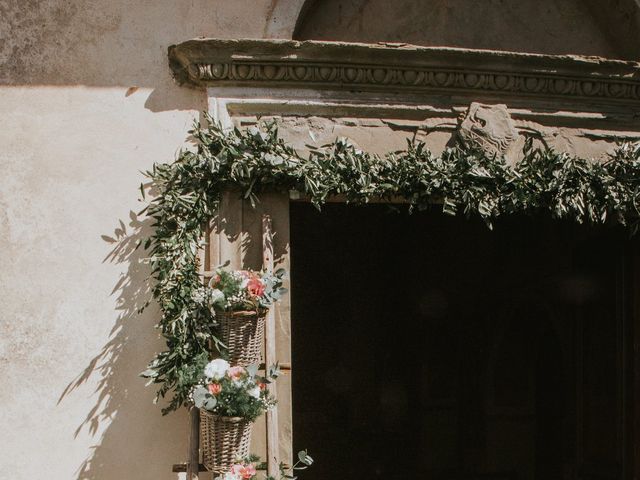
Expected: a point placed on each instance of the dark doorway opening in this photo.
(428, 346)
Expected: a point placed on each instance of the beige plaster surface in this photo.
(86, 103)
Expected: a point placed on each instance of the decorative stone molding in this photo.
(398, 68)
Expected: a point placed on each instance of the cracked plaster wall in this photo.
(86, 103)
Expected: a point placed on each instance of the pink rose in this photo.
(255, 286)
(236, 373)
(245, 471)
(214, 388)
(262, 386)
(249, 471)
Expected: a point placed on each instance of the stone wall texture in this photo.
(87, 102)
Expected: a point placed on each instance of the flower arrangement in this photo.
(245, 290)
(234, 391)
(248, 468)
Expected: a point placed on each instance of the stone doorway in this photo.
(429, 346)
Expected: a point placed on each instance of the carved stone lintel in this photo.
(404, 68)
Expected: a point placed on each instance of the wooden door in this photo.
(602, 365)
(494, 355)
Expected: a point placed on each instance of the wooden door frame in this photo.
(237, 234)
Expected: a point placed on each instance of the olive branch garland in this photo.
(188, 192)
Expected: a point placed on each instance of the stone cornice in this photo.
(398, 68)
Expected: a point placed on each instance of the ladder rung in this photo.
(182, 467)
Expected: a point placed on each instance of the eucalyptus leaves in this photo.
(254, 160)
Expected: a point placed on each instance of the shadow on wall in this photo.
(131, 440)
(606, 28)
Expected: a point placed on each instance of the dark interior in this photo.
(426, 346)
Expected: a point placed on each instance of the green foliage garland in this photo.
(464, 181)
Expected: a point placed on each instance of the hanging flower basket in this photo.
(242, 333)
(240, 300)
(223, 440)
(230, 399)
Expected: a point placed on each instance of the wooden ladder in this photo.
(193, 467)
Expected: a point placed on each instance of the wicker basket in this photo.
(223, 440)
(242, 333)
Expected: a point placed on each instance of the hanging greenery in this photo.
(253, 160)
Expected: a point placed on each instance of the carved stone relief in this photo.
(491, 129)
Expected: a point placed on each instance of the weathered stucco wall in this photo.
(86, 103)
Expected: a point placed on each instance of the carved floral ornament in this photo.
(272, 63)
(418, 79)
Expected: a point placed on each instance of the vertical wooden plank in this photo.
(194, 444)
(252, 251)
(230, 229)
(223, 236)
(279, 211)
(252, 259)
(223, 242)
(212, 248)
(273, 445)
(275, 205)
(193, 453)
(267, 242)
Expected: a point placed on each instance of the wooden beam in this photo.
(182, 467)
(193, 465)
(273, 437)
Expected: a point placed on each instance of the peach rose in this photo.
(214, 388)
(262, 386)
(236, 373)
(255, 286)
(245, 471)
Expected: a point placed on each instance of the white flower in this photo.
(216, 369)
(216, 295)
(254, 392)
(230, 476)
